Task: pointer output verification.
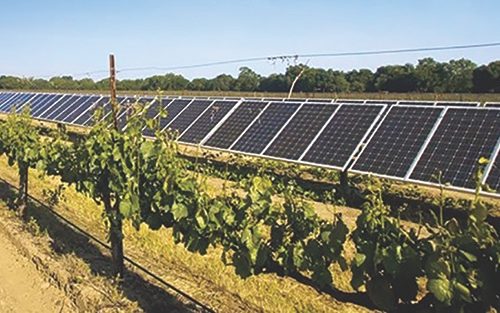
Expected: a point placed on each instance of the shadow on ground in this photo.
(66, 240)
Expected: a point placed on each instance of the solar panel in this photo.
(173, 109)
(492, 104)
(463, 136)
(295, 100)
(294, 139)
(207, 121)
(345, 131)
(43, 102)
(457, 103)
(85, 118)
(5, 97)
(77, 109)
(126, 109)
(265, 127)
(410, 102)
(18, 100)
(273, 99)
(236, 123)
(492, 178)
(398, 139)
(185, 118)
(48, 106)
(152, 112)
(58, 110)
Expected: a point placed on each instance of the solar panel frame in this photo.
(416, 102)
(448, 186)
(417, 156)
(381, 101)
(458, 103)
(357, 147)
(492, 104)
(351, 101)
(488, 171)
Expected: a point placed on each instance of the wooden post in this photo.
(112, 89)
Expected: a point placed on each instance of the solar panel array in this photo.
(405, 140)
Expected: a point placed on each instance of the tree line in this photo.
(429, 75)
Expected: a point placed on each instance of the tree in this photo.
(247, 80)
(200, 84)
(486, 78)
(431, 75)
(360, 81)
(275, 83)
(459, 75)
(64, 83)
(395, 78)
(222, 82)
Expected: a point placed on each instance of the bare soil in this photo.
(23, 288)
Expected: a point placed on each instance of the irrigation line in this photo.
(105, 245)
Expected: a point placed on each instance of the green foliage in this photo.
(387, 259)
(427, 76)
(19, 139)
(462, 262)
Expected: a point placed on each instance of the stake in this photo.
(112, 87)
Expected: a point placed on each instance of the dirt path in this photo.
(22, 287)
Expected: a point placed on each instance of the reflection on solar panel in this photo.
(265, 127)
(463, 136)
(397, 141)
(293, 140)
(493, 178)
(182, 121)
(236, 123)
(207, 121)
(492, 104)
(405, 102)
(457, 103)
(339, 140)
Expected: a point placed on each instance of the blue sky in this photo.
(45, 38)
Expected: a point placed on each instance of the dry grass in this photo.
(205, 277)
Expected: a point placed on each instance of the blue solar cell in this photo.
(265, 127)
(343, 134)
